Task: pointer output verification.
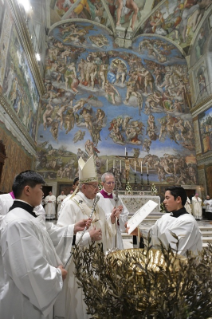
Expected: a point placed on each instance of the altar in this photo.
(134, 202)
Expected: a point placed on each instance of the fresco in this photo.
(199, 46)
(205, 127)
(19, 87)
(126, 14)
(177, 19)
(201, 77)
(2, 8)
(100, 100)
(13, 165)
(83, 9)
(7, 22)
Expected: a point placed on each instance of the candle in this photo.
(113, 163)
(147, 168)
(141, 168)
(135, 165)
(107, 165)
(125, 151)
(120, 165)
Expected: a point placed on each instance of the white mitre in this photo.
(87, 171)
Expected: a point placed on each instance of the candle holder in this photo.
(147, 179)
(135, 182)
(142, 181)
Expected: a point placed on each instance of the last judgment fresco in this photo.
(103, 100)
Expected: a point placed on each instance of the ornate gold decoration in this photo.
(140, 283)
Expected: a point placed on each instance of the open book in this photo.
(140, 215)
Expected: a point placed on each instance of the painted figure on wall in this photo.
(19, 87)
(205, 124)
(177, 19)
(136, 98)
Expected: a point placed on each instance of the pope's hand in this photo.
(63, 272)
(82, 224)
(96, 234)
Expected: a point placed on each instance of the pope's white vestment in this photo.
(106, 205)
(196, 207)
(75, 209)
(31, 281)
(50, 202)
(184, 226)
(60, 200)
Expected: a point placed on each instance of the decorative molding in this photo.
(202, 106)
(204, 159)
(26, 42)
(31, 146)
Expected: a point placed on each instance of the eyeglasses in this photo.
(110, 183)
(94, 186)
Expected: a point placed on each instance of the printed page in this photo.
(140, 215)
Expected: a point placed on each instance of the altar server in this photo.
(196, 207)
(179, 222)
(33, 273)
(60, 200)
(6, 201)
(50, 202)
(208, 207)
(102, 230)
(109, 203)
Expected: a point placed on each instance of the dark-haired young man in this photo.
(177, 221)
(33, 272)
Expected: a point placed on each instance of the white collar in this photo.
(107, 192)
(89, 201)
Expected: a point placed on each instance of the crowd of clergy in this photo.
(35, 277)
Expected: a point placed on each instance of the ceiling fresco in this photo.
(110, 13)
(101, 99)
(176, 20)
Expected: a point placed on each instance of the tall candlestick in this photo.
(141, 168)
(120, 165)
